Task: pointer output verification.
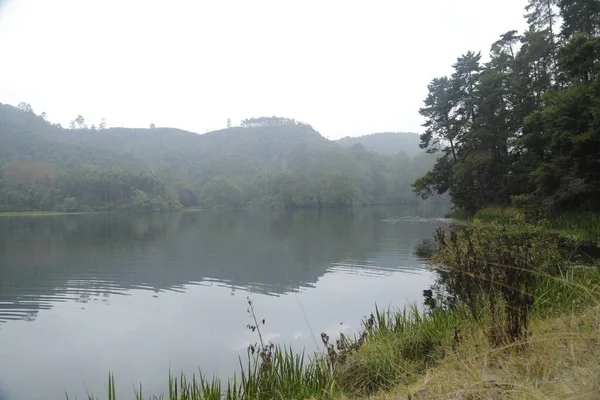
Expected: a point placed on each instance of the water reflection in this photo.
(82, 257)
(139, 295)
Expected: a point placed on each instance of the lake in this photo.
(82, 295)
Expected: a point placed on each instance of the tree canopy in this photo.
(525, 125)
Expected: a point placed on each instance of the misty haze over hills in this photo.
(386, 143)
(268, 161)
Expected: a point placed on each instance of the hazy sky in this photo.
(346, 67)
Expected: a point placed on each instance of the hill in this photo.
(268, 161)
(386, 143)
(26, 137)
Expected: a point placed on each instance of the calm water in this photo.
(137, 295)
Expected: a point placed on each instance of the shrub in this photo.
(494, 268)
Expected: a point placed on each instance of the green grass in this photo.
(584, 225)
(492, 214)
(457, 215)
(290, 376)
(487, 214)
(572, 291)
(401, 345)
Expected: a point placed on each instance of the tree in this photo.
(25, 107)
(268, 121)
(341, 192)
(580, 58)
(78, 123)
(152, 126)
(580, 17)
(440, 132)
(228, 123)
(70, 204)
(527, 123)
(567, 173)
(450, 111)
(465, 80)
(542, 16)
(102, 124)
(222, 191)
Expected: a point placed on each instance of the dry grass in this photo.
(560, 360)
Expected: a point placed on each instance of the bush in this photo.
(495, 268)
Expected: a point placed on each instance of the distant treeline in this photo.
(268, 162)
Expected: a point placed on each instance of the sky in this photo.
(346, 67)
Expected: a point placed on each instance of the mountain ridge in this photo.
(270, 161)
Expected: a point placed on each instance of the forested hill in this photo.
(387, 143)
(274, 162)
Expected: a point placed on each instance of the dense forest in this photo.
(523, 128)
(267, 162)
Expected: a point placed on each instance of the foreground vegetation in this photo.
(508, 317)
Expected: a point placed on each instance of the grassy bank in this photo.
(583, 225)
(559, 360)
(507, 318)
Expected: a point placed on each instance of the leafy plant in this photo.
(497, 267)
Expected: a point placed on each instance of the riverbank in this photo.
(118, 211)
(462, 345)
(560, 359)
(583, 225)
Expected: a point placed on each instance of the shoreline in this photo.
(44, 213)
(182, 210)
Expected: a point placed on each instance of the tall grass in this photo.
(270, 372)
(585, 225)
(291, 376)
(401, 346)
(572, 291)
